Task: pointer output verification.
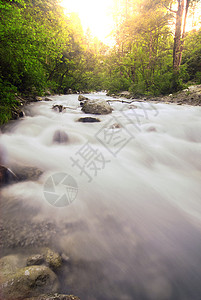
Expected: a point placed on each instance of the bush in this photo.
(117, 84)
(7, 101)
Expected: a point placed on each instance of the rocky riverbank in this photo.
(189, 96)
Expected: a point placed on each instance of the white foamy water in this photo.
(135, 225)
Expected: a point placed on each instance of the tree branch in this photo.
(171, 10)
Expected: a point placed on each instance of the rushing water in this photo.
(134, 228)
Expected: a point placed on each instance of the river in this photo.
(121, 197)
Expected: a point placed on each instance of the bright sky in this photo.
(97, 15)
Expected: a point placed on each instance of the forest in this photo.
(43, 49)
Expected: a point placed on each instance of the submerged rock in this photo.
(27, 173)
(58, 107)
(97, 107)
(60, 137)
(29, 282)
(6, 176)
(115, 126)
(88, 120)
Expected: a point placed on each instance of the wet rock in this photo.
(52, 258)
(125, 94)
(29, 282)
(58, 107)
(115, 125)
(38, 98)
(36, 259)
(97, 107)
(69, 91)
(27, 173)
(47, 99)
(60, 137)
(88, 120)
(54, 297)
(17, 113)
(6, 176)
(82, 98)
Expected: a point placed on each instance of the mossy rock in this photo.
(29, 282)
(52, 258)
(10, 264)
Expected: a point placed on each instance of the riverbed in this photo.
(120, 199)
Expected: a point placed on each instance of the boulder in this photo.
(88, 120)
(47, 99)
(60, 137)
(82, 98)
(97, 107)
(29, 282)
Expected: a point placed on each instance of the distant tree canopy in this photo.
(42, 48)
(150, 40)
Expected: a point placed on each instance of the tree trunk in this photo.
(184, 30)
(178, 35)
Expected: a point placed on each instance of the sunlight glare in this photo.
(95, 15)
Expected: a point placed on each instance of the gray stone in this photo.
(97, 107)
(88, 120)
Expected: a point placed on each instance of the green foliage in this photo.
(143, 54)
(192, 55)
(7, 101)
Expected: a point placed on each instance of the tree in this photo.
(181, 17)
